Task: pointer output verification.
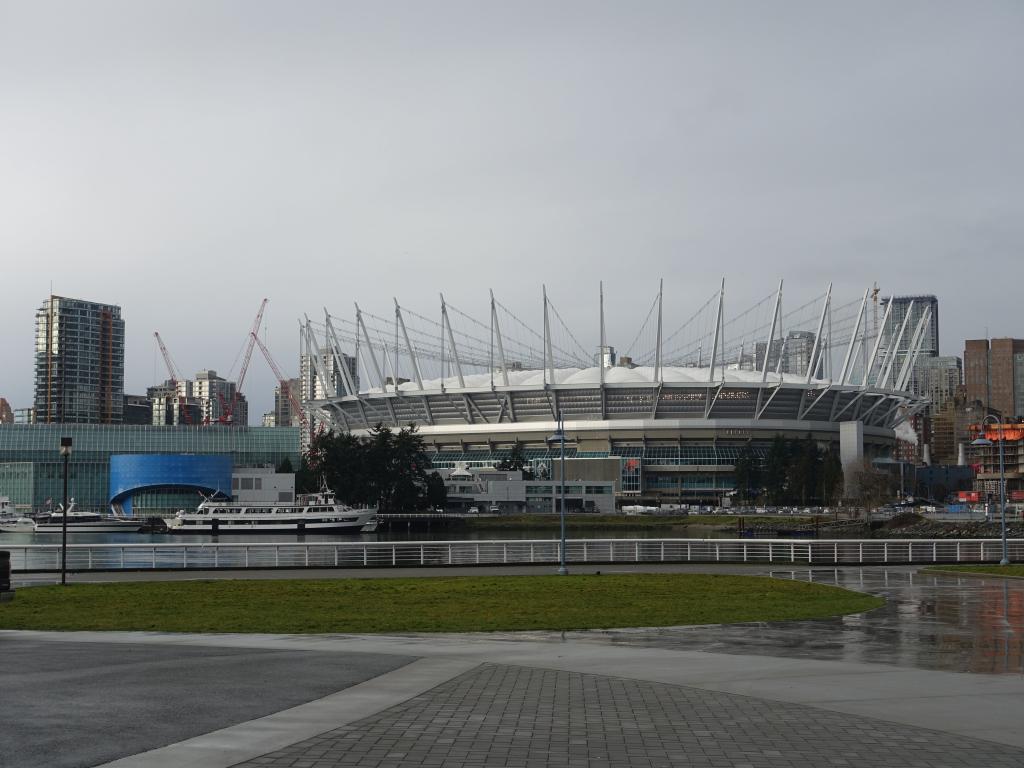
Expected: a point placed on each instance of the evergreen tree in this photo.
(748, 474)
(285, 467)
(437, 494)
(775, 475)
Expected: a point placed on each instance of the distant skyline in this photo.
(183, 160)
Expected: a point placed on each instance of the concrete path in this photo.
(686, 696)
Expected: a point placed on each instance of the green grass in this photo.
(435, 604)
(995, 570)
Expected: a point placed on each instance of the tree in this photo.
(516, 462)
(870, 487)
(437, 494)
(748, 474)
(804, 471)
(831, 476)
(775, 475)
(285, 467)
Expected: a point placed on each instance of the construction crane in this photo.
(172, 371)
(228, 409)
(282, 382)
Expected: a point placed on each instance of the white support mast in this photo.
(547, 340)
(891, 352)
(812, 364)
(870, 365)
(718, 333)
(369, 349)
(408, 346)
(339, 356)
(657, 353)
(601, 349)
(313, 353)
(497, 337)
(771, 335)
(451, 342)
(853, 339)
(907, 368)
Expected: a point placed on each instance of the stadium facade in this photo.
(665, 433)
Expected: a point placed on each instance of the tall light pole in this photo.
(984, 441)
(65, 452)
(559, 437)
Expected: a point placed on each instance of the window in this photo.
(246, 484)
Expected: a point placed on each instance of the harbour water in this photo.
(437, 533)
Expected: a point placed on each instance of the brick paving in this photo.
(522, 717)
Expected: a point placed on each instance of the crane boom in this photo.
(282, 381)
(253, 334)
(172, 370)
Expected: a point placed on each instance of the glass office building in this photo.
(31, 471)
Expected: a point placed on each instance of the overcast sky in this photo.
(186, 159)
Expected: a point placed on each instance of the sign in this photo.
(1016, 495)
(969, 495)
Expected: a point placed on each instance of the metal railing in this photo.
(386, 554)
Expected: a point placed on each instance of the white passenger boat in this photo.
(310, 513)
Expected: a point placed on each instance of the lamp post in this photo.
(65, 452)
(559, 437)
(984, 441)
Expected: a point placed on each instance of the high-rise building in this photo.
(216, 395)
(915, 306)
(936, 378)
(137, 409)
(79, 362)
(795, 352)
(284, 415)
(994, 374)
(311, 386)
(6, 414)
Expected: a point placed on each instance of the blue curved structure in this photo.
(137, 472)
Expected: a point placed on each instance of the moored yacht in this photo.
(309, 513)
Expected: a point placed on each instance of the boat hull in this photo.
(104, 526)
(233, 528)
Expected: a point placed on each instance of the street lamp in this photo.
(65, 452)
(984, 441)
(559, 437)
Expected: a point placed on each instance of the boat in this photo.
(84, 522)
(309, 513)
(12, 524)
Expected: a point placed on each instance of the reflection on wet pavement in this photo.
(930, 621)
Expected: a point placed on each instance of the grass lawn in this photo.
(441, 604)
(995, 570)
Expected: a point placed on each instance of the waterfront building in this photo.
(79, 362)
(986, 459)
(510, 492)
(994, 374)
(31, 469)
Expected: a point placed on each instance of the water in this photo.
(434, 533)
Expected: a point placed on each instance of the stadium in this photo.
(665, 422)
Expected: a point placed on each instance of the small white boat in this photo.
(309, 513)
(84, 522)
(11, 524)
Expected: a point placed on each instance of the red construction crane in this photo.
(228, 410)
(282, 382)
(172, 370)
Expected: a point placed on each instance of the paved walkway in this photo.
(756, 695)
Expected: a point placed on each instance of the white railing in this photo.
(385, 554)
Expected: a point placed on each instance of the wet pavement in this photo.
(929, 621)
